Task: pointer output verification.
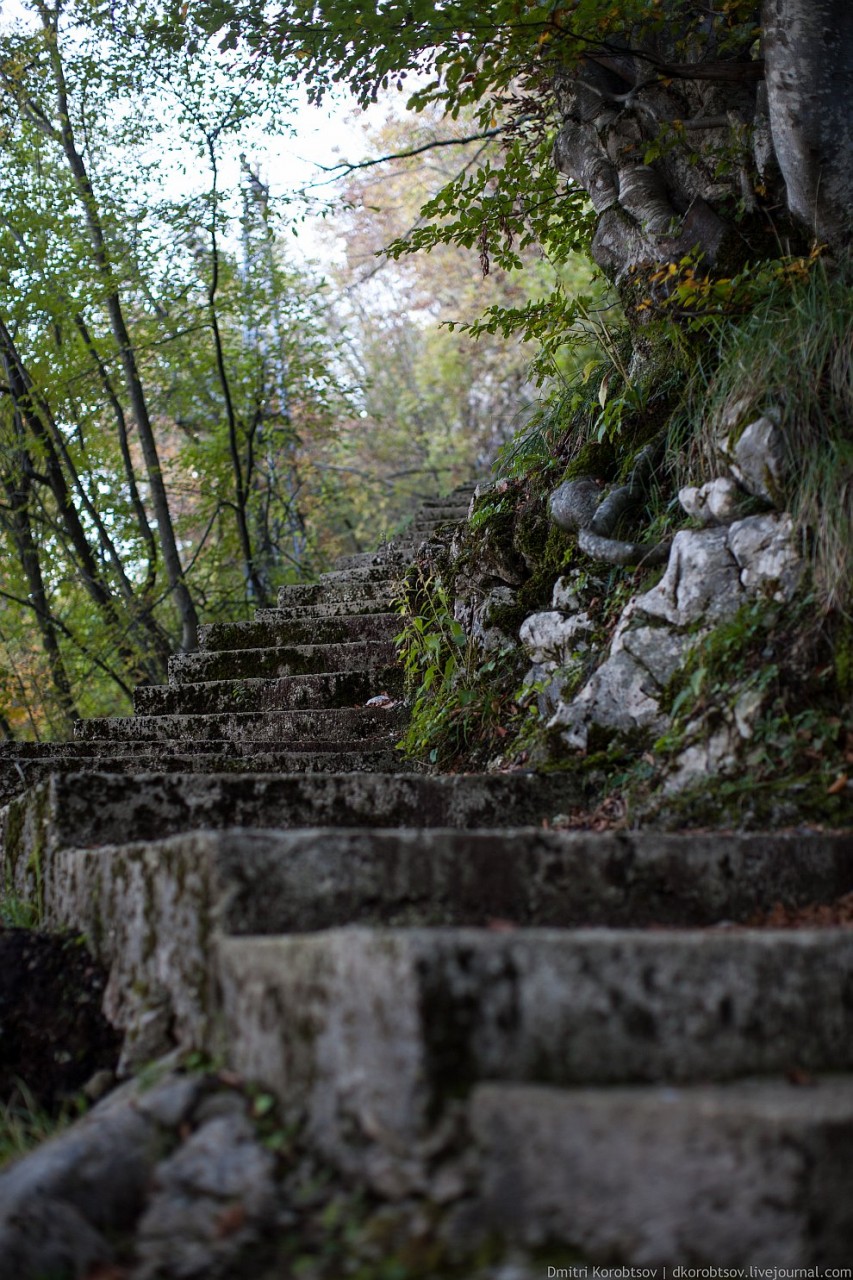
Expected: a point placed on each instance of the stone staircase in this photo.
(569, 1039)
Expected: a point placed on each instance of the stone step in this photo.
(327, 689)
(397, 554)
(355, 607)
(199, 757)
(93, 808)
(308, 728)
(283, 660)
(756, 1172)
(445, 509)
(338, 591)
(375, 1031)
(177, 892)
(369, 573)
(268, 633)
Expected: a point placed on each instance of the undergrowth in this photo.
(24, 1125)
(461, 700)
(791, 358)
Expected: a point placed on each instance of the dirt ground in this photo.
(53, 1036)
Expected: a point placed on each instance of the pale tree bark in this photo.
(744, 150)
(808, 48)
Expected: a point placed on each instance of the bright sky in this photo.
(323, 137)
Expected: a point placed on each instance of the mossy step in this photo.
(198, 757)
(337, 590)
(266, 634)
(308, 728)
(354, 607)
(327, 689)
(398, 1023)
(280, 661)
(369, 573)
(94, 808)
(754, 1172)
(398, 555)
(178, 891)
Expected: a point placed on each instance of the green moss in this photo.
(596, 458)
(842, 653)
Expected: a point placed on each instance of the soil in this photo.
(53, 1036)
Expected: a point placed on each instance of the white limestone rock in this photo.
(564, 596)
(552, 637)
(719, 501)
(764, 550)
(758, 459)
(658, 649)
(620, 695)
(483, 621)
(712, 754)
(701, 583)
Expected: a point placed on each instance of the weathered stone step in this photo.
(94, 808)
(392, 1024)
(308, 728)
(396, 554)
(446, 509)
(282, 660)
(751, 1173)
(371, 573)
(342, 591)
(354, 607)
(176, 893)
(199, 757)
(327, 689)
(269, 633)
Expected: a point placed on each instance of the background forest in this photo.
(569, 225)
(190, 414)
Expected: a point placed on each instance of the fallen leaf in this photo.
(838, 785)
(796, 1075)
(230, 1220)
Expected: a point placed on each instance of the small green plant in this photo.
(23, 1124)
(460, 699)
(17, 913)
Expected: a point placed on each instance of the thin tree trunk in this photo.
(20, 530)
(254, 585)
(27, 412)
(133, 382)
(139, 511)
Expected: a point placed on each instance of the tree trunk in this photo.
(730, 156)
(64, 135)
(808, 47)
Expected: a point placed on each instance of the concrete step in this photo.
(308, 728)
(86, 809)
(329, 689)
(187, 887)
(270, 633)
(392, 1025)
(280, 661)
(754, 1173)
